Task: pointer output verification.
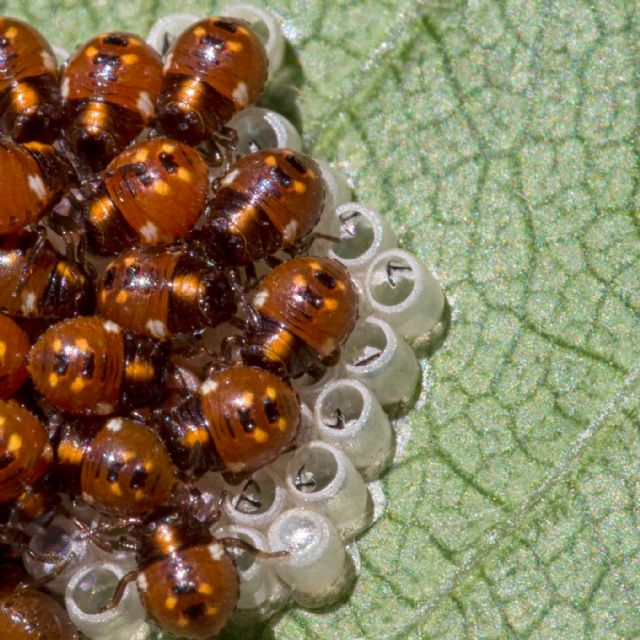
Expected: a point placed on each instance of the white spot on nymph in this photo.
(229, 178)
(260, 299)
(216, 551)
(110, 327)
(48, 61)
(104, 408)
(28, 302)
(207, 387)
(87, 498)
(115, 424)
(149, 232)
(64, 89)
(142, 583)
(145, 105)
(290, 231)
(157, 328)
(37, 186)
(241, 95)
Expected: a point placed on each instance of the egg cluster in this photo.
(200, 333)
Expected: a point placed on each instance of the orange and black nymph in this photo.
(187, 580)
(29, 94)
(33, 176)
(269, 200)
(25, 450)
(29, 614)
(89, 366)
(161, 292)
(14, 347)
(109, 90)
(240, 419)
(118, 466)
(151, 193)
(215, 68)
(35, 282)
(307, 309)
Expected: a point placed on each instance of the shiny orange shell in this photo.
(78, 364)
(215, 68)
(26, 191)
(253, 416)
(224, 53)
(268, 200)
(24, 53)
(29, 92)
(90, 366)
(119, 68)
(25, 451)
(126, 470)
(53, 287)
(14, 347)
(191, 592)
(313, 298)
(109, 91)
(164, 291)
(31, 615)
(160, 188)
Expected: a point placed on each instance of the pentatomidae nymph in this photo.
(199, 335)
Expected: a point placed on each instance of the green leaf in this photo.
(501, 139)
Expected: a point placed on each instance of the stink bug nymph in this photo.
(215, 68)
